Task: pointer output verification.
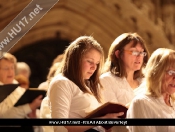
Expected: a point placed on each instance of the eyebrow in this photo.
(92, 59)
(136, 48)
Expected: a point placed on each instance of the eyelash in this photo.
(91, 62)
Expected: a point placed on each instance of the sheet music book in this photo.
(108, 108)
(29, 95)
(6, 90)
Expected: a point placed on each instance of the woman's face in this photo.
(133, 57)
(7, 71)
(89, 63)
(168, 82)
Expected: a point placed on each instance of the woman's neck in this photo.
(130, 79)
(166, 98)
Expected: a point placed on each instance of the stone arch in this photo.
(39, 56)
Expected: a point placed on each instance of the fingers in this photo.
(40, 97)
(116, 115)
(36, 102)
(113, 115)
(120, 114)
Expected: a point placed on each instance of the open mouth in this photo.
(172, 85)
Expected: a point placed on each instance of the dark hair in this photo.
(114, 64)
(72, 63)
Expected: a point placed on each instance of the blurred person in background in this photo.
(23, 68)
(52, 70)
(7, 76)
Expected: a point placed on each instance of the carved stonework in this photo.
(168, 17)
(154, 20)
(162, 13)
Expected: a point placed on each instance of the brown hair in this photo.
(115, 65)
(72, 63)
(22, 80)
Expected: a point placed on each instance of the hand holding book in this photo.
(36, 102)
(112, 115)
(31, 94)
(6, 90)
(109, 109)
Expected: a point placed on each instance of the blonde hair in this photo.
(55, 66)
(58, 59)
(9, 57)
(52, 71)
(21, 66)
(160, 61)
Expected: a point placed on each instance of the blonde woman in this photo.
(159, 99)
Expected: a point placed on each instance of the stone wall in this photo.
(103, 19)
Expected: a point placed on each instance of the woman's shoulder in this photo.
(61, 80)
(142, 98)
(109, 75)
